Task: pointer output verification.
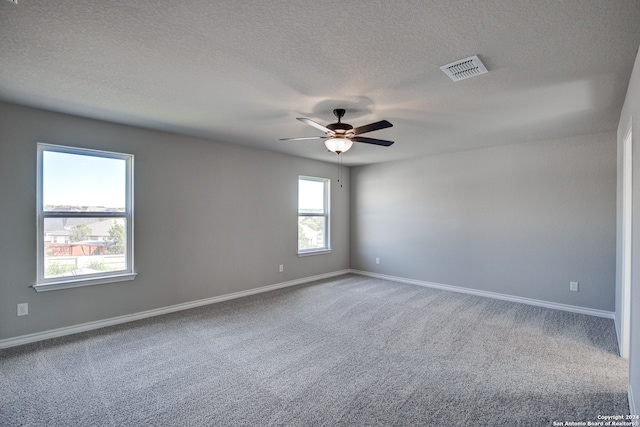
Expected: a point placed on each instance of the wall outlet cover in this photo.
(23, 309)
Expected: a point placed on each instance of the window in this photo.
(313, 215)
(85, 217)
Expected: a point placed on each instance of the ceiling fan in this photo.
(339, 137)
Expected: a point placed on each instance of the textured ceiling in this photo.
(241, 71)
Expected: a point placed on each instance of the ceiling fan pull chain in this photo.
(340, 169)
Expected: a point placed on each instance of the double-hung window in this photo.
(85, 217)
(313, 215)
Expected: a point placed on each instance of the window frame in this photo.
(326, 215)
(54, 283)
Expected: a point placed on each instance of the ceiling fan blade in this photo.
(372, 141)
(382, 124)
(302, 138)
(316, 125)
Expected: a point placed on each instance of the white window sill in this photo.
(65, 283)
(318, 252)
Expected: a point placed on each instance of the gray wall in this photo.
(631, 109)
(211, 219)
(522, 220)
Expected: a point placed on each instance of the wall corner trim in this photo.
(618, 336)
(69, 330)
(494, 295)
(632, 402)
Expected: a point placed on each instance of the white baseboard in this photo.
(495, 295)
(39, 336)
(53, 333)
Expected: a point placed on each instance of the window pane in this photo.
(80, 246)
(81, 183)
(311, 232)
(310, 196)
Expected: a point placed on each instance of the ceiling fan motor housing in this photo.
(340, 126)
(339, 141)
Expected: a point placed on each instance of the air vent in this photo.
(464, 68)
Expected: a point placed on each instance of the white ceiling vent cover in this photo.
(464, 68)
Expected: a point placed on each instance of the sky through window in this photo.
(79, 180)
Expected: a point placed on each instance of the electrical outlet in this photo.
(23, 309)
(573, 286)
(281, 269)
(377, 260)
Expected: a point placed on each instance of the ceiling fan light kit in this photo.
(338, 145)
(339, 137)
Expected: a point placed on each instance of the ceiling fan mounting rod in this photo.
(339, 113)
